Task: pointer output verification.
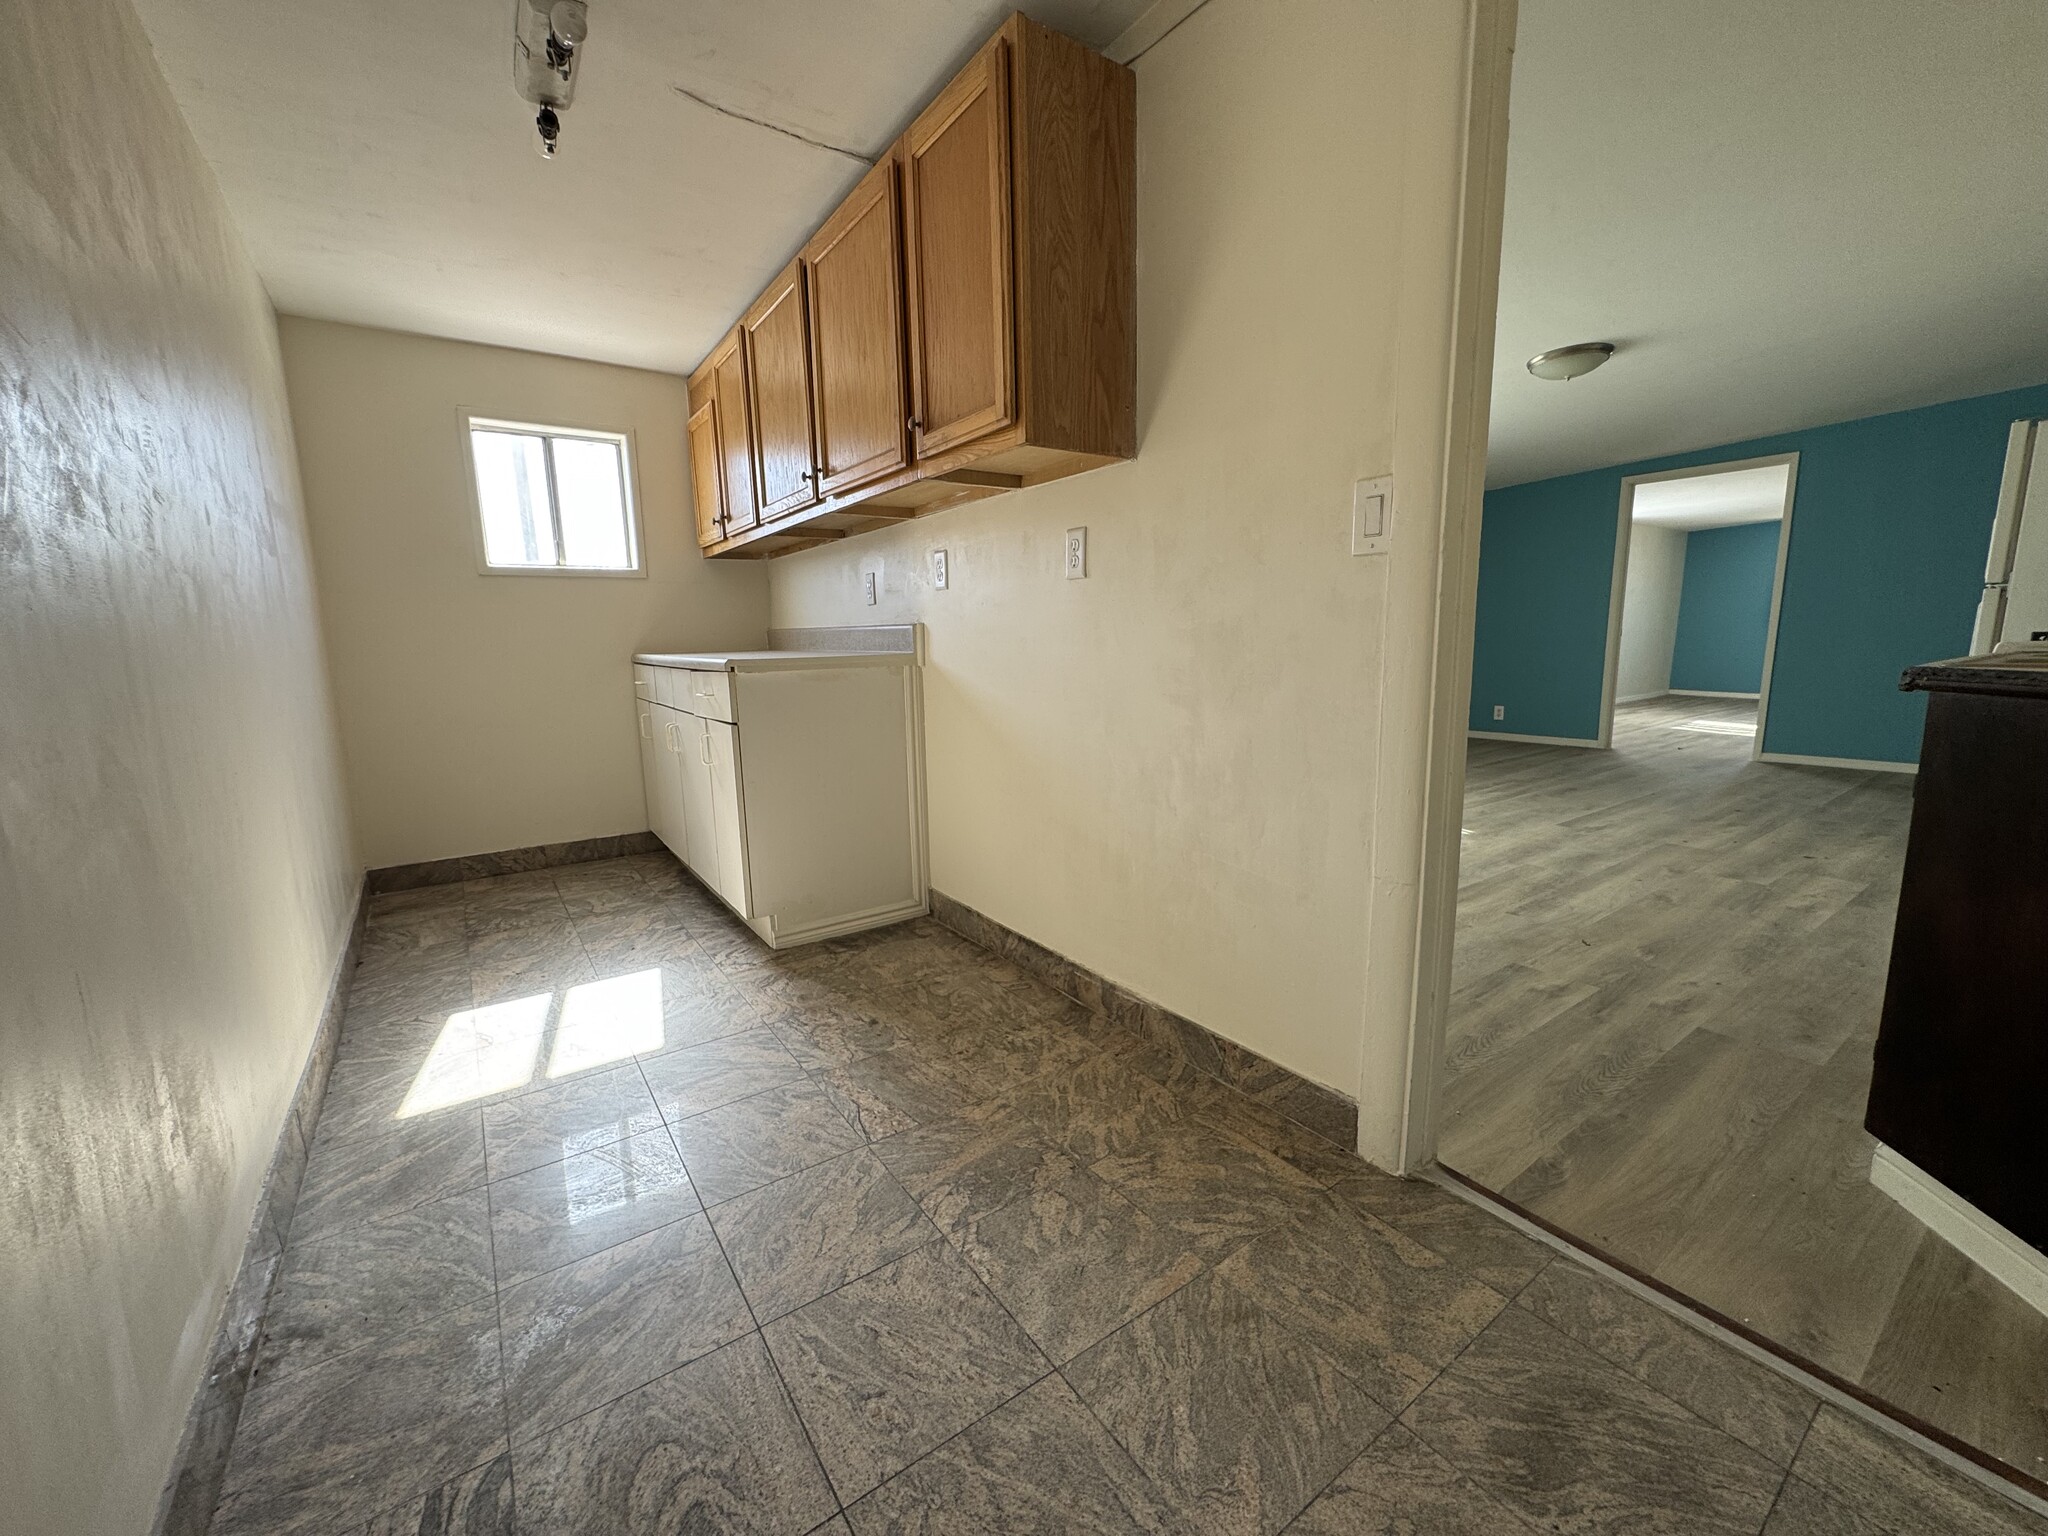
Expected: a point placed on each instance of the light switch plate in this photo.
(939, 569)
(1077, 553)
(1372, 516)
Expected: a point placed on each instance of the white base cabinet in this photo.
(791, 783)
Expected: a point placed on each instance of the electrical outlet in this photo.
(869, 581)
(1077, 553)
(939, 569)
(1500, 711)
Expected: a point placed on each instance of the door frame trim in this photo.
(1412, 892)
(1618, 583)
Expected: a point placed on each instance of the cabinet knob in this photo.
(916, 425)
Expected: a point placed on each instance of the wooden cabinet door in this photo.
(734, 417)
(778, 347)
(855, 272)
(956, 197)
(707, 473)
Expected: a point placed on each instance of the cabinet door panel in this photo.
(665, 787)
(700, 830)
(779, 380)
(855, 270)
(956, 162)
(707, 474)
(653, 760)
(735, 417)
(728, 828)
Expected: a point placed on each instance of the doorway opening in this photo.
(1692, 624)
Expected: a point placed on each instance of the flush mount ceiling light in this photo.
(547, 39)
(1569, 363)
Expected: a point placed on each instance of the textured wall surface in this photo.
(488, 712)
(1168, 771)
(1724, 617)
(1891, 519)
(175, 873)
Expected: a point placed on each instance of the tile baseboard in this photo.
(193, 1488)
(1326, 1112)
(510, 861)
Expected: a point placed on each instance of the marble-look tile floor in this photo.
(617, 1222)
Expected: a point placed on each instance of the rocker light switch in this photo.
(1372, 516)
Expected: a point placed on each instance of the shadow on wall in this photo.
(1891, 522)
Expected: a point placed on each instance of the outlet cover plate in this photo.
(939, 569)
(1077, 553)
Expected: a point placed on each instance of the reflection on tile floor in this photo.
(616, 1222)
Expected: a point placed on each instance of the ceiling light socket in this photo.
(1567, 363)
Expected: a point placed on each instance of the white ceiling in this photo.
(1783, 213)
(382, 168)
(1712, 501)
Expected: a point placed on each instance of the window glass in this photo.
(590, 491)
(512, 494)
(552, 500)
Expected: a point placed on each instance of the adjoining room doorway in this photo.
(1699, 576)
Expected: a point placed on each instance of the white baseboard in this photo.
(2014, 1263)
(1535, 741)
(1710, 693)
(1873, 764)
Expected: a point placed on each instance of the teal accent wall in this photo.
(1724, 608)
(1891, 520)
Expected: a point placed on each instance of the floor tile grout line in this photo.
(760, 1332)
(1786, 1481)
(943, 1240)
(504, 1374)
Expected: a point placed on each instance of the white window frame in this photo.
(466, 419)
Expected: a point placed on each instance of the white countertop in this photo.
(769, 661)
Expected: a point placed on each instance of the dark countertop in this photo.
(2019, 674)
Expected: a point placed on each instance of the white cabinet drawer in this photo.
(643, 683)
(704, 693)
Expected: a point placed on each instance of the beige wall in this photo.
(175, 876)
(487, 712)
(1649, 610)
(1173, 771)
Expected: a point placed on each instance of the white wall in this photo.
(487, 712)
(1170, 771)
(175, 875)
(1649, 610)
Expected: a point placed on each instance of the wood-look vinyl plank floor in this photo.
(1670, 967)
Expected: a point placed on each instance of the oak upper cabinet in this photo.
(721, 444)
(956, 174)
(965, 323)
(778, 347)
(707, 473)
(854, 267)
